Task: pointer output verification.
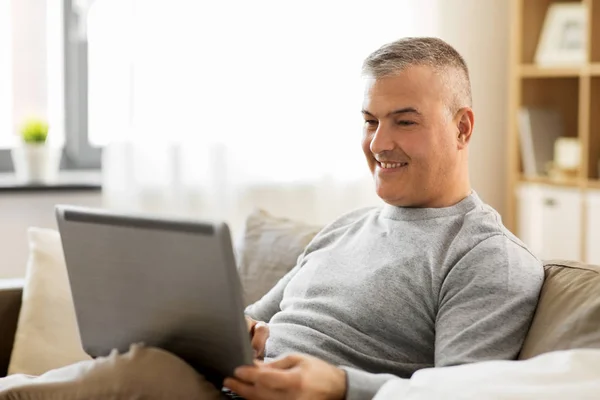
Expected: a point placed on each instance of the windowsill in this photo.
(76, 181)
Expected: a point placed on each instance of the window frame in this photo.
(5, 161)
(78, 152)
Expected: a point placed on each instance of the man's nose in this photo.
(382, 140)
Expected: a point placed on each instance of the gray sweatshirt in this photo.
(383, 292)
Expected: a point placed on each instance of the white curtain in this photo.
(6, 128)
(213, 108)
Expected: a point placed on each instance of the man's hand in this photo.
(295, 377)
(259, 333)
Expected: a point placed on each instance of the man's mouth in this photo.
(391, 165)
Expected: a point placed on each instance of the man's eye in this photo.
(406, 123)
(371, 122)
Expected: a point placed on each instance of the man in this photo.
(430, 279)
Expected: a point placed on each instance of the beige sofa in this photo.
(568, 313)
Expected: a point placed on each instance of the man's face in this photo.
(410, 138)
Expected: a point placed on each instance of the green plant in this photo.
(34, 131)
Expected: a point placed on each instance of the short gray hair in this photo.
(392, 58)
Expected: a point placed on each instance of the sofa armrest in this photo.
(10, 305)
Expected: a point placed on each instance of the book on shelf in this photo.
(538, 130)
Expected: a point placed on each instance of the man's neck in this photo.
(451, 196)
(458, 187)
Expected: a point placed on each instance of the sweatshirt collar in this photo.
(413, 213)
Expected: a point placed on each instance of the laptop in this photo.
(165, 282)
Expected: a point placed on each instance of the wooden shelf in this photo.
(574, 92)
(535, 71)
(589, 183)
(551, 181)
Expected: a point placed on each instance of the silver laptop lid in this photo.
(167, 283)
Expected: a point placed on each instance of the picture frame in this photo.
(563, 40)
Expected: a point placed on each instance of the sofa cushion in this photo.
(269, 248)
(47, 336)
(568, 311)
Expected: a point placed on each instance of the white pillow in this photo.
(567, 374)
(47, 335)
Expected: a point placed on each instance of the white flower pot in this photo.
(36, 163)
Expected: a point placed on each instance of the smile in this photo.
(387, 165)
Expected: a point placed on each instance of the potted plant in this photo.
(34, 159)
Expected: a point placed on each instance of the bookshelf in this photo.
(572, 90)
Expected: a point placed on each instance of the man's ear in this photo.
(465, 121)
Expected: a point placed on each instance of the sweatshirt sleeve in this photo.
(486, 303)
(361, 385)
(268, 305)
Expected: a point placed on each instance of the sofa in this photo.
(10, 304)
(567, 316)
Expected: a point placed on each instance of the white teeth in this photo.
(390, 165)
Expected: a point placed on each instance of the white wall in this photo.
(479, 30)
(19, 211)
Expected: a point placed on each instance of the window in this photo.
(286, 73)
(61, 82)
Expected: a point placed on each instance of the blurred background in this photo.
(210, 109)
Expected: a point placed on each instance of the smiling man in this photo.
(431, 279)
(406, 115)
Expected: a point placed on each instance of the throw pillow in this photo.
(269, 249)
(568, 311)
(47, 335)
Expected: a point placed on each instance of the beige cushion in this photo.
(47, 336)
(568, 312)
(269, 249)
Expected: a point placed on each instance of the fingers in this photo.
(292, 377)
(273, 369)
(247, 374)
(251, 323)
(259, 338)
(269, 378)
(253, 392)
(276, 379)
(286, 362)
(243, 389)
